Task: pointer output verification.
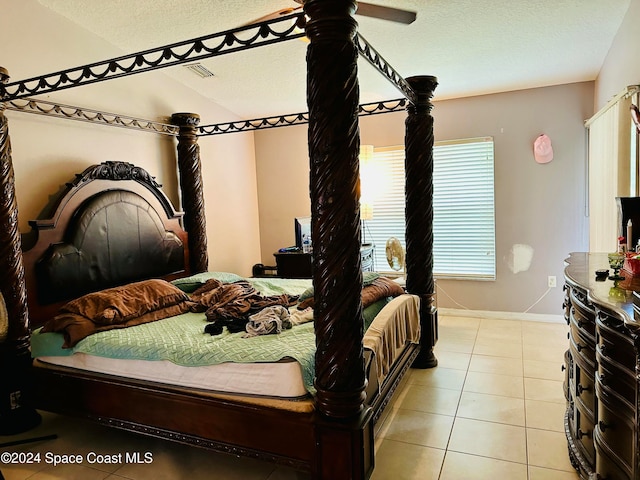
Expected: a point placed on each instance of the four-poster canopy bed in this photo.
(331, 435)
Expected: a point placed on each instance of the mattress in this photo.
(282, 379)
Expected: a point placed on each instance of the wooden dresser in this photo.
(601, 385)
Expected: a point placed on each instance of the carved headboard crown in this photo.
(111, 225)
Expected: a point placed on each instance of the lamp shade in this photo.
(366, 211)
(366, 187)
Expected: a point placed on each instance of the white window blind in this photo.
(464, 213)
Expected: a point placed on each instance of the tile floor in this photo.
(492, 409)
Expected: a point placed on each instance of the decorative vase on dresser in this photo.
(601, 385)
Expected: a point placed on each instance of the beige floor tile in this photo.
(548, 449)
(397, 460)
(494, 384)
(458, 321)
(438, 377)
(547, 353)
(487, 439)
(548, 328)
(430, 400)
(456, 345)
(553, 339)
(497, 365)
(455, 360)
(70, 472)
(456, 331)
(492, 408)
(544, 390)
(543, 370)
(497, 335)
(399, 394)
(460, 466)
(498, 348)
(538, 473)
(500, 324)
(418, 428)
(545, 415)
(18, 472)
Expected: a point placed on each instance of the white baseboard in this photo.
(532, 317)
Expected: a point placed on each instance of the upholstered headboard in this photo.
(111, 225)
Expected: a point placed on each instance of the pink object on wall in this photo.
(542, 149)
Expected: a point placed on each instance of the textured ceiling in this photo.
(473, 46)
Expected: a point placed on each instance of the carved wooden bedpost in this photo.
(419, 213)
(190, 170)
(15, 358)
(335, 189)
(346, 450)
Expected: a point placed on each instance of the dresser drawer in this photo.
(581, 325)
(580, 335)
(616, 379)
(582, 309)
(615, 432)
(568, 374)
(614, 343)
(583, 352)
(608, 469)
(582, 389)
(566, 302)
(584, 434)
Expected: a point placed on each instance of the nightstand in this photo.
(293, 264)
(296, 264)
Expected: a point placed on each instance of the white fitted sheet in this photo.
(277, 379)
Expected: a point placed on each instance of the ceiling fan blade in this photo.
(386, 13)
(271, 16)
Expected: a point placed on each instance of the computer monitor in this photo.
(302, 229)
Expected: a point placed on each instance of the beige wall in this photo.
(622, 65)
(541, 207)
(48, 152)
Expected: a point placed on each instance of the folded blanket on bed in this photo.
(118, 307)
(231, 304)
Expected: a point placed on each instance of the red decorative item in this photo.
(632, 264)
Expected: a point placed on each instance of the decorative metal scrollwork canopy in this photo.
(14, 94)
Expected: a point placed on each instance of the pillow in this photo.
(120, 304)
(367, 279)
(306, 295)
(192, 283)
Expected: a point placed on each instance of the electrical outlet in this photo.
(551, 281)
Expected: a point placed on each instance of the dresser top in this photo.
(614, 296)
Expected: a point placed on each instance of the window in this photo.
(464, 214)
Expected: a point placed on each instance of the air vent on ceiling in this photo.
(199, 69)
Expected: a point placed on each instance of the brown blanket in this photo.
(119, 307)
(238, 300)
(378, 289)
